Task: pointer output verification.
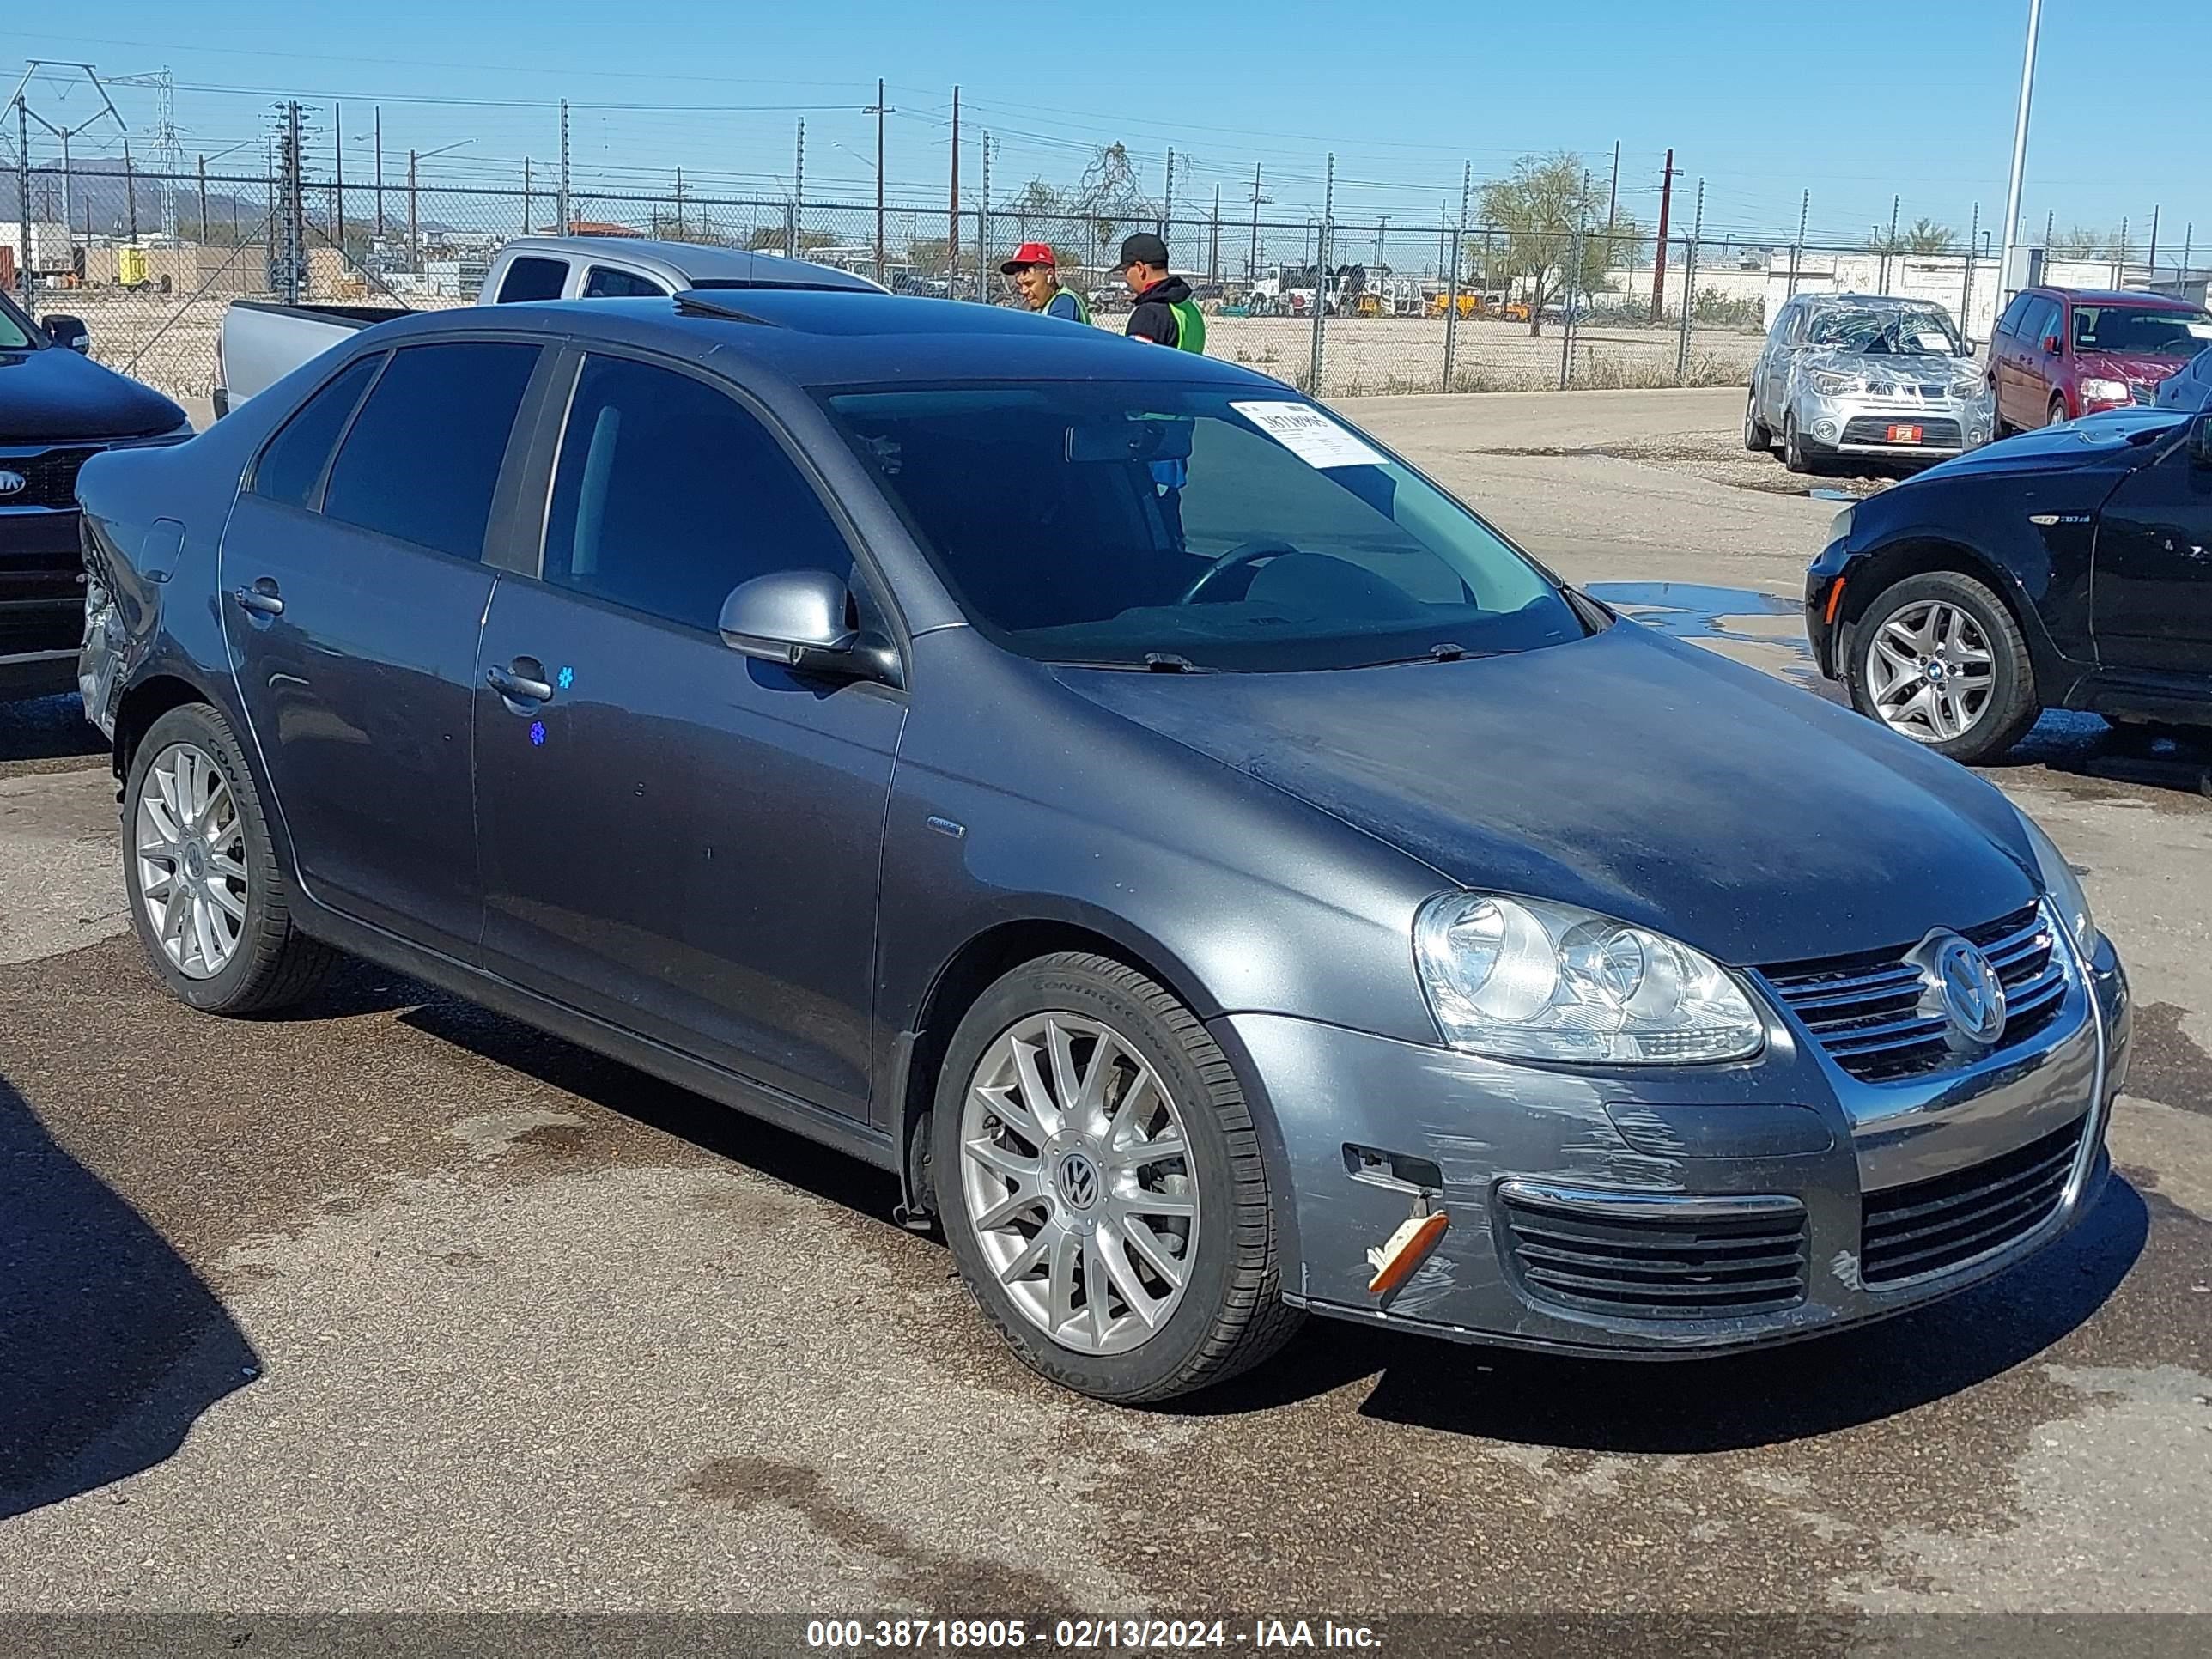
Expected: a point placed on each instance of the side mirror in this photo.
(67, 331)
(2052, 345)
(799, 618)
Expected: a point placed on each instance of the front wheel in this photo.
(1795, 454)
(209, 900)
(1938, 659)
(1101, 1184)
(2055, 415)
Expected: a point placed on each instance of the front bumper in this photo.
(1786, 1143)
(1856, 423)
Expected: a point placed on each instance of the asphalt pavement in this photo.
(393, 1306)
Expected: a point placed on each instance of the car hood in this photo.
(2136, 368)
(1643, 778)
(2094, 440)
(1885, 370)
(53, 393)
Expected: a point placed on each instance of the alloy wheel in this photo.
(1930, 671)
(191, 848)
(1076, 1168)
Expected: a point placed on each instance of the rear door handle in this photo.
(520, 683)
(261, 599)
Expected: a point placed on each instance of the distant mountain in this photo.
(102, 190)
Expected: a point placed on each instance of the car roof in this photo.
(826, 338)
(688, 264)
(2118, 296)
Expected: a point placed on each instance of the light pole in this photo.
(414, 221)
(2018, 154)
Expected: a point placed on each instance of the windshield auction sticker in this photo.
(1309, 434)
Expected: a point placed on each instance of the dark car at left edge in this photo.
(57, 409)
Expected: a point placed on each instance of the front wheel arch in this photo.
(1923, 556)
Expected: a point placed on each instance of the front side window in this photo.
(2015, 314)
(602, 282)
(13, 335)
(423, 456)
(291, 465)
(2148, 330)
(1150, 525)
(532, 278)
(2041, 322)
(668, 493)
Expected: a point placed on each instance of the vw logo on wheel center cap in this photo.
(1079, 1180)
(1960, 985)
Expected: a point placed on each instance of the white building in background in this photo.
(50, 244)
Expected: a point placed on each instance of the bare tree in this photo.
(1543, 211)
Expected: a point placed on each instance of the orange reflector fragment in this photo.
(1835, 599)
(1406, 1250)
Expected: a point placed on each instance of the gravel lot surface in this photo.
(396, 1305)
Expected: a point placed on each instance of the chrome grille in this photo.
(49, 476)
(1935, 432)
(1694, 1267)
(1929, 1226)
(1864, 1010)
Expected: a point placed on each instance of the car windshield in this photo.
(1164, 526)
(14, 337)
(2157, 331)
(1886, 330)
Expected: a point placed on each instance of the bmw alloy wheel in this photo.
(1931, 672)
(191, 848)
(1076, 1168)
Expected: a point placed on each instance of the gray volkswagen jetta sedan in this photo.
(1218, 874)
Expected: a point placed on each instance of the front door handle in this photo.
(261, 599)
(520, 683)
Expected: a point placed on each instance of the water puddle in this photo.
(1764, 630)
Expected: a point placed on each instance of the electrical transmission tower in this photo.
(168, 148)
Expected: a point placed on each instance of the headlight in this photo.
(1830, 384)
(1841, 528)
(2105, 392)
(1522, 979)
(2063, 886)
(1967, 389)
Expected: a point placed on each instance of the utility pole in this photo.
(567, 221)
(377, 127)
(952, 218)
(2020, 155)
(1613, 204)
(131, 192)
(2152, 260)
(1797, 247)
(797, 239)
(1252, 271)
(1689, 282)
(1458, 253)
(880, 109)
(338, 153)
(1659, 255)
(1213, 261)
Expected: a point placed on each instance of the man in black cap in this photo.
(1165, 312)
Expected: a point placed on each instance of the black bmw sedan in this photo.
(2068, 567)
(1217, 872)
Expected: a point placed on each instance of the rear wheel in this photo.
(209, 902)
(1100, 1184)
(1938, 659)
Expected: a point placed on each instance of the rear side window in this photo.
(291, 465)
(423, 458)
(602, 283)
(529, 278)
(669, 493)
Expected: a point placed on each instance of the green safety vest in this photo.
(1190, 326)
(1082, 307)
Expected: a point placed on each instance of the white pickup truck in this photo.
(262, 342)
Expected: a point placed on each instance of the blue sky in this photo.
(1762, 99)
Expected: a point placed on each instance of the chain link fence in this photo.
(1403, 307)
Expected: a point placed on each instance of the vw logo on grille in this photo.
(1966, 988)
(12, 484)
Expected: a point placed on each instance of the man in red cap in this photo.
(1036, 273)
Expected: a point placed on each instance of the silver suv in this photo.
(1864, 374)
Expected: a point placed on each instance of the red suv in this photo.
(2059, 352)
